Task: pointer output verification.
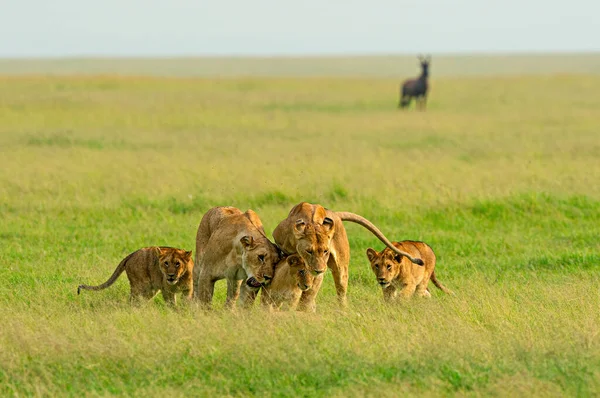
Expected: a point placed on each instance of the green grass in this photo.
(499, 176)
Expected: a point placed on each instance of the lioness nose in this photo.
(381, 279)
(171, 274)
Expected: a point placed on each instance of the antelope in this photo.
(416, 88)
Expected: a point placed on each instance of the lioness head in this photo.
(258, 260)
(385, 265)
(313, 242)
(300, 272)
(174, 263)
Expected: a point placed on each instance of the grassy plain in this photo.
(500, 176)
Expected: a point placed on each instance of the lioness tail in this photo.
(440, 286)
(355, 218)
(111, 280)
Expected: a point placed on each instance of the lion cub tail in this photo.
(111, 280)
(440, 286)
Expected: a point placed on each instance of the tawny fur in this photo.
(153, 269)
(398, 277)
(232, 245)
(319, 237)
(292, 277)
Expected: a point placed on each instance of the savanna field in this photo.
(500, 176)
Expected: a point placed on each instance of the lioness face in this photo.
(173, 263)
(385, 265)
(313, 242)
(300, 272)
(258, 260)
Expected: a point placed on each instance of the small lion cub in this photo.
(291, 278)
(152, 269)
(397, 275)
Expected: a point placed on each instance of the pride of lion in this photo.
(286, 273)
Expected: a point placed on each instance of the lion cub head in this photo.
(258, 260)
(299, 272)
(174, 263)
(385, 265)
(313, 241)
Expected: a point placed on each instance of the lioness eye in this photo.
(301, 272)
(326, 251)
(376, 266)
(389, 267)
(261, 258)
(177, 264)
(309, 251)
(166, 263)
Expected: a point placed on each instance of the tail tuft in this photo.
(418, 261)
(79, 289)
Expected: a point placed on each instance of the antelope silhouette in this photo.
(416, 88)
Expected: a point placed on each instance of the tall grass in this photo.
(499, 176)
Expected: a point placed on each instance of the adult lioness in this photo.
(292, 277)
(151, 269)
(398, 276)
(232, 245)
(319, 237)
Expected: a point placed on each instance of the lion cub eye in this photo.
(301, 272)
(389, 267)
(166, 263)
(261, 258)
(326, 252)
(376, 266)
(177, 264)
(309, 251)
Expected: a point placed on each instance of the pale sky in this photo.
(41, 28)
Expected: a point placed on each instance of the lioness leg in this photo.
(233, 291)
(340, 278)
(206, 289)
(307, 300)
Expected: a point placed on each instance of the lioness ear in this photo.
(328, 223)
(299, 227)
(371, 254)
(247, 242)
(188, 255)
(159, 251)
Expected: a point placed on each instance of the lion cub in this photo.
(152, 269)
(292, 277)
(398, 275)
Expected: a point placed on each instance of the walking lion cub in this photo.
(153, 269)
(397, 275)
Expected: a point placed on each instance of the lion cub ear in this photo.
(247, 242)
(159, 251)
(371, 254)
(294, 260)
(188, 255)
(398, 257)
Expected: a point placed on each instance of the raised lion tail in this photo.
(118, 271)
(355, 218)
(439, 285)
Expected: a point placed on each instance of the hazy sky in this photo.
(271, 27)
